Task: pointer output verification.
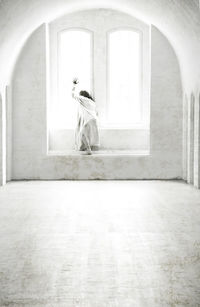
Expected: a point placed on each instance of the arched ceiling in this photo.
(179, 20)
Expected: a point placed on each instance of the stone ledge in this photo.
(100, 153)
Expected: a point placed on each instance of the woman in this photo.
(87, 135)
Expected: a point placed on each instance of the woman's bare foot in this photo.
(89, 152)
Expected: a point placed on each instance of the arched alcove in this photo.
(30, 155)
(18, 21)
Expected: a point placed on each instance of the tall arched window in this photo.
(109, 52)
(124, 78)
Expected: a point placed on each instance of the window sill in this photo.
(137, 153)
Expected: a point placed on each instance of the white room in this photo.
(100, 153)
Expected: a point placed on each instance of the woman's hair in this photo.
(85, 94)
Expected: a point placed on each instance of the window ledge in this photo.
(98, 153)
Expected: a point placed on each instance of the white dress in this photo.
(87, 134)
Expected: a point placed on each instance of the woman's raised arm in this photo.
(75, 82)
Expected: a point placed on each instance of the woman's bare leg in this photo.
(87, 144)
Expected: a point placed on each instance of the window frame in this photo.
(132, 24)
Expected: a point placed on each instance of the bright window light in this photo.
(124, 78)
(74, 60)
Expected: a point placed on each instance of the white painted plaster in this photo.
(185, 136)
(30, 160)
(29, 106)
(190, 147)
(8, 133)
(179, 20)
(3, 137)
(197, 142)
(1, 140)
(166, 103)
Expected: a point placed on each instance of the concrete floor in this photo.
(99, 244)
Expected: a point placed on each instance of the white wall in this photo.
(3, 137)
(191, 135)
(166, 103)
(30, 160)
(29, 107)
(178, 20)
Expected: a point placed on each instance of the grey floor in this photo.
(99, 244)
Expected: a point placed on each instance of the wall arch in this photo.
(30, 159)
(21, 19)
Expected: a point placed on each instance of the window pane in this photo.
(124, 67)
(74, 60)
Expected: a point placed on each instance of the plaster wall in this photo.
(1, 140)
(178, 20)
(191, 138)
(197, 142)
(30, 159)
(8, 134)
(29, 107)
